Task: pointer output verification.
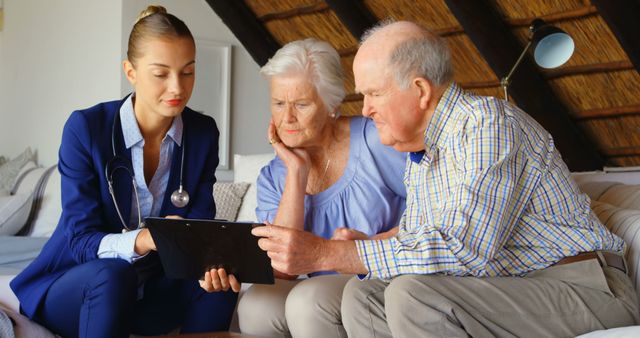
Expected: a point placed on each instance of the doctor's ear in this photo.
(129, 71)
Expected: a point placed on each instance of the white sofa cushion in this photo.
(14, 212)
(246, 168)
(622, 196)
(619, 332)
(50, 207)
(626, 224)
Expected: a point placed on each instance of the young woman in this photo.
(122, 161)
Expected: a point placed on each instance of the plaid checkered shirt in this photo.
(491, 196)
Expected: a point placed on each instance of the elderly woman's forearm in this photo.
(291, 209)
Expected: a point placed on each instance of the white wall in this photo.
(55, 56)
(61, 55)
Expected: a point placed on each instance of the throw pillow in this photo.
(24, 172)
(228, 198)
(246, 168)
(14, 211)
(3, 160)
(10, 170)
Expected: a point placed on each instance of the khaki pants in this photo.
(560, 301)
(299, 308)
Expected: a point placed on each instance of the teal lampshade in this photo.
(552, 46)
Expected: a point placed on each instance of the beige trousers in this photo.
(300, 308)
(560, 301)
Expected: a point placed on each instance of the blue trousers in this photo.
(99, 299)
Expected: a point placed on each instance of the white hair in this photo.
(427, 56)
(319, 61)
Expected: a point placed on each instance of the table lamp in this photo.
(552, 47)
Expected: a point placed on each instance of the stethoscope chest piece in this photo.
(180, 198)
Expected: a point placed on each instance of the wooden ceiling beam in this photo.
(622, 151)
(622, 18)
(315, 8)
(348, 51)
(353, 97)
(354, 15)
(607, 113)
(603, 67)
(500, 48)
(554, 17)
(243, 23)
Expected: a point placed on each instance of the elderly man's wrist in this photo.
(341, 256)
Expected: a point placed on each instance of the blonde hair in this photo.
(319, 61)
(155, 22)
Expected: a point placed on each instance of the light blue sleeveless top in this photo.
(369, 197)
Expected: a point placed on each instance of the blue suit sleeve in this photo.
(81, 208)
(203, 206)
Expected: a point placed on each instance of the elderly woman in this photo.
(331, 175)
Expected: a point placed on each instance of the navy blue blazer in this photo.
(88, 213)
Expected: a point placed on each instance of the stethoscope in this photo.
(179, 198)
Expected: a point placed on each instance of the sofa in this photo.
(615, 198)
(35, 197)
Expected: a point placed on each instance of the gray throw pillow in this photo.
(228, 198)
(10, 170)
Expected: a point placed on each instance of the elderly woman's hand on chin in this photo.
(296, 160)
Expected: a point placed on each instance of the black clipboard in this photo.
(189, 247)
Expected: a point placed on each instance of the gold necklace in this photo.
(324, 174)
(320, 182)
(321, 179)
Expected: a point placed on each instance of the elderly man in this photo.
(496, 240)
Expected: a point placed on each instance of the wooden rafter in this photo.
(315, 8)
(622, 18)
(622, 151)
(348, 51)
(549, 74)
(588, 69)
(353, 97)
(242, 22)
(608, 112)
(354, 15)
(500, 48)
(554, 17)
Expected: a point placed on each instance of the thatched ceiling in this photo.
(591, 104)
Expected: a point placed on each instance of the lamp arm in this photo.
(504, 82)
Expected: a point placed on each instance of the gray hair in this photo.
(426, 56)
(318, 60)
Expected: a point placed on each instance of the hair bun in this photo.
(150, 10)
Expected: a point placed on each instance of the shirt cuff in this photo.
(120, 246)
(378, 257)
